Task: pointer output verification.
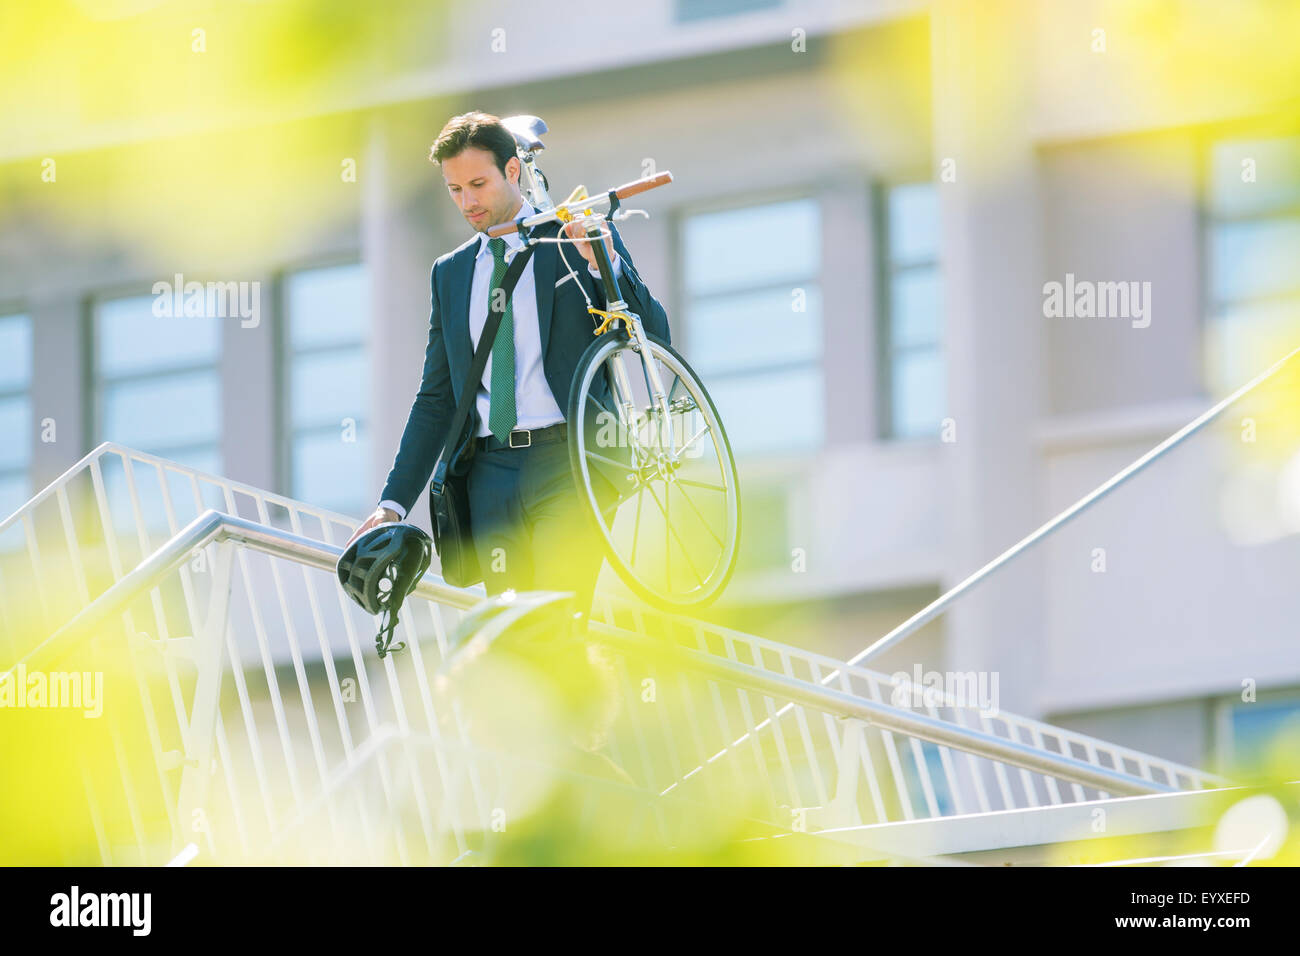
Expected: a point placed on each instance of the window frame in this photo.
(884, 272)
(282, 366)
(1212, 309)
(10, 311)
(683, 298)
(1224, 738)
(94, 411)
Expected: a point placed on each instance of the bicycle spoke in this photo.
(702, 520)
(669, 529)
(696, 483)
(625, 428)
(610, 462)
(613, 417)
(636, 525)
(704, 428)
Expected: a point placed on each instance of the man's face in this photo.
(476, 186)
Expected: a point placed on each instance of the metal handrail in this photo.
(945, 600)
(214, 526)
(895, 719)
(126, 452)
(752, 711)
(1016, 724)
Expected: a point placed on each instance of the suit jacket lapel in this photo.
(544, 269)
(460, 347)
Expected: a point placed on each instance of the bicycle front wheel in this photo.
(658, 480)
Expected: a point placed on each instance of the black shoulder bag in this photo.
(448, 492)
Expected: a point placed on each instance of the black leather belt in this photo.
(526, 437)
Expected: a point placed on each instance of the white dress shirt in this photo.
(535, 405)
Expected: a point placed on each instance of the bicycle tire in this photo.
(594, 354)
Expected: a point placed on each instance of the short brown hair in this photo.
(474, 129)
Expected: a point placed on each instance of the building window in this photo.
(913, 371)
(1262, 737)
(1252, 245)
(753, 306)
(157, 385)
(688, 10)
(15, 412)
(327, 386)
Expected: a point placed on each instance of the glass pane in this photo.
(329, 387)
(152, 507)
(915, 307)
(132, 339)
(1259, 725)
(15, 352)
(755, 329)
(173, 410)
(14, 492)
(15, 432)
(331, 473)
(1254, 258)
(777, 412)
(919, 394)
(756, 245)
(1271, 168)
(201, 459)
(327, 306)
(913, 222)
(1245, 340)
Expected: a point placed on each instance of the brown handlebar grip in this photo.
(641, 185)
(622, 192)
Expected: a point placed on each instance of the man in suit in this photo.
(529, 529)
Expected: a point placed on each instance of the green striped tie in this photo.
(502, 414)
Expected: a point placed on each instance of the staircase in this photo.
(247, 719)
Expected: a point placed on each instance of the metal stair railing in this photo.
(78, 539)
(941, 604)
(1039, 767)
(843, 750)
(1092, 749)
(803, 755)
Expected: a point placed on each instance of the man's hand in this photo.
(576, 230)
(379, 516)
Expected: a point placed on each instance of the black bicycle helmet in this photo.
(380, 569)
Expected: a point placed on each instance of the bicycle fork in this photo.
(641, 345)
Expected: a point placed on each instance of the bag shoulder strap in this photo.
(479, 363)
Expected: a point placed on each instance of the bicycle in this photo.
(625, 439)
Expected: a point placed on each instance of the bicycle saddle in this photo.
(527, 131)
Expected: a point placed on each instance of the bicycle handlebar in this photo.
(579, 206)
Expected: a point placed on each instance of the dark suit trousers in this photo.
(531, 533)
(530, 528)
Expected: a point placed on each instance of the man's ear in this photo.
(512, 170)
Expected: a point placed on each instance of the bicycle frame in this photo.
(583, 210)
(622, 388)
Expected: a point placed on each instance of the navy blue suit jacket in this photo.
(566, 332)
